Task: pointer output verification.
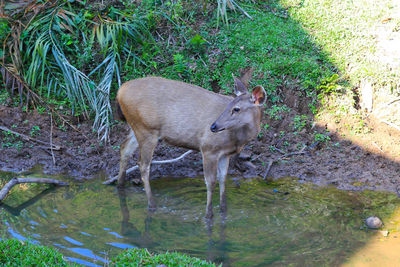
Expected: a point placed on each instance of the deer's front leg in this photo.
(223, 164)
(210, 173)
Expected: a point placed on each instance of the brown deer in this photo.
(187, 116)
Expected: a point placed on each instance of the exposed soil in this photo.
(350, 161)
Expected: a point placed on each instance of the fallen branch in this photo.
(376, 145)
(51, 139)
(272, 161)
(386, 104)
(391, 124)
(115, 178)
(4, 191)
(27, 138)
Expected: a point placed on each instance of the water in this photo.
(281, 223)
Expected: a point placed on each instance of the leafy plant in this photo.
(276, 112)
(318, 137)
(48, 47)
(300, 122)
(329, 84)
(180, 65)
(35, 130)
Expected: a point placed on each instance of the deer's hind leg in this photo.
(128, 147)
(147, 144)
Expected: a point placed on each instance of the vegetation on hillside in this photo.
(73, 55)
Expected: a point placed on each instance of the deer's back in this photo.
(177, 112)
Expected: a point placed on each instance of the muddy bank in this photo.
(343, 162)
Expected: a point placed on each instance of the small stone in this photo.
(244, 156)
(373, 222)
(249, 165)
(384, 233)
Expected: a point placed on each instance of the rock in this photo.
(249, 165)
(244, 155)
(384, 233)
(373, 222)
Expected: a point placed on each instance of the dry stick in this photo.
(244, 12)
(279, 150)
(27, 138)
(4, 191)
(386, 104)
(391, 124)
(113, 179)
(376, 145)
(51, 139)
(272, 161)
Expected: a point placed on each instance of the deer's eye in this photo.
(235, 109)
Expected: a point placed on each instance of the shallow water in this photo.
(281, 223)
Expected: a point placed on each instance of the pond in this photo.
(278, 223)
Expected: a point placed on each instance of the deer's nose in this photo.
(213, 127)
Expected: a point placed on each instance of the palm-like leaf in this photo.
(50, 66)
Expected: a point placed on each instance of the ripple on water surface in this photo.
(280, 223)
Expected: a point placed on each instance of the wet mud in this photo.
(354, 162)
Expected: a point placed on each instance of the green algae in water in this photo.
(280, 223)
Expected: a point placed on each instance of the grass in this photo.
(316, 48)
(17, 253)
(349, 32)
(278, 49)
(142, 257)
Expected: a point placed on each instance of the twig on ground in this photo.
(279, 150)
(391, 124)
(244, 12)
(272, 161)
(51, 139)
(27, 138)
(115, 178)
(4, 191)
(376, 145)
(386, 105)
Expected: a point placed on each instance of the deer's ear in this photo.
(258, 95)
(240, 89)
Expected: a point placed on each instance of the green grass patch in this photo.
(350, 32)
(142, 257)
(17, 253)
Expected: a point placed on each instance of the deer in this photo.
(191, 117)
